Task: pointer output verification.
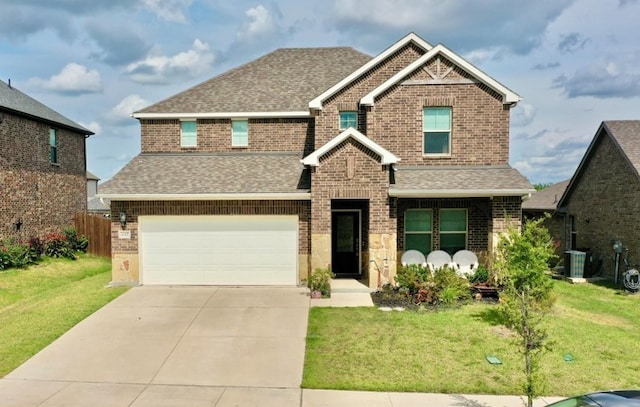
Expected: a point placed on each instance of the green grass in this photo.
(444, 351)
(42, 302)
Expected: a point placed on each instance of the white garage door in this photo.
(225, 250)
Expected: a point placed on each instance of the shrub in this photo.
(480, 275)
(56, 245)
(5, 261)
(450, 287)
(320, 280)
(443, 287)
(36, 246)
(412, 277)
(75, 242)
(15, 254)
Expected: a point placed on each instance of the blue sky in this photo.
(575, 63)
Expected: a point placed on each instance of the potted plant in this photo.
(320, 283)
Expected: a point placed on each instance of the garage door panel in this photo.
(252, 250)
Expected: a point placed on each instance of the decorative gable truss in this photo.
(438, 72)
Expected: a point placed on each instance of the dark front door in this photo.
(345, 243)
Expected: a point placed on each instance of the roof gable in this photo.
(386, 157)
(625, 135)
(409, 38)
(508, 96)
(14, 100)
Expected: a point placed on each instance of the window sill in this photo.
(188, 147)
(54, 164)
(239, 147)
(436, 156)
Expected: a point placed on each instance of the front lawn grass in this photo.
(42, 302)
(444, 351)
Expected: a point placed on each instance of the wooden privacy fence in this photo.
(97, 229)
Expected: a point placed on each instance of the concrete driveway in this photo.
(174, 346)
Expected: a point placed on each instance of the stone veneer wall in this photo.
(506, 212)
(125, 255)
(43, 195)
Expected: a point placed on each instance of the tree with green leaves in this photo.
(521, 264)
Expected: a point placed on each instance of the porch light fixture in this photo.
(123, 219)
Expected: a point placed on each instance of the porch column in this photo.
(383, 240)
(506, 212)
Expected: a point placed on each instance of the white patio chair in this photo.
(437, 259)
(465, 262)
(413, 257)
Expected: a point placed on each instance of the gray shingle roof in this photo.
(98, 204)
(14, 100)
(284, 80)
(626, 133)
(546, 199)
(459, 180)
(221, 173)
(626, 136)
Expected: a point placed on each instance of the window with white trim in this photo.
(436, 128)
(53, 146)
(239, 133)
(417, 230)
(188, 133)
(348, 119)
(453, 230)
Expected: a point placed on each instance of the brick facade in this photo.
(605, 203)
(42, 195)
(214, 136)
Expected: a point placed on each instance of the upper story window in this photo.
(239, 133)
(453, 230)
(348, 119)
(417, 230)
(188, 133)
(53, 146)
(437, 131)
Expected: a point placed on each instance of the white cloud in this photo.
(522, 115)
(160, 69)
(123, 110)
(93, 126)
(262, 24)
(603, 78)
(170, 10)
(74, 79)
(463, 25)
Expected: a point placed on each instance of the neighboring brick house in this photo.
(314, 157)
(42, 167)
(602, 200)
(546, 201)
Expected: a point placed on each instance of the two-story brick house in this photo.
(308, 158)
(42, 167)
